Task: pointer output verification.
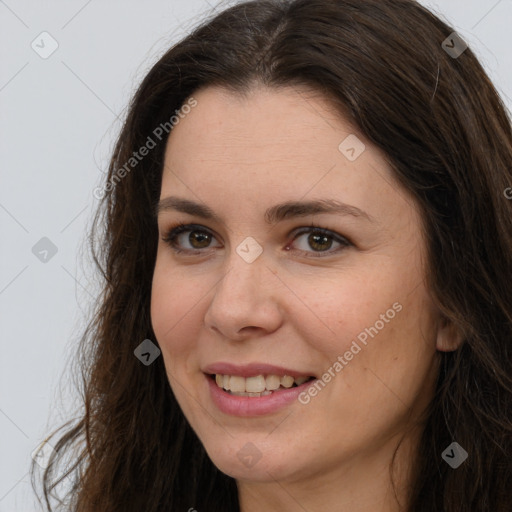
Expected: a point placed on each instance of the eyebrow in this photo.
(275, 214)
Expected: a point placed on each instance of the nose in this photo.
(245, 301)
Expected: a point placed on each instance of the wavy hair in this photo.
(447, 137)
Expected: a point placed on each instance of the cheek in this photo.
(342, 312)
(377, 324)
(394, 364)
(173, 302)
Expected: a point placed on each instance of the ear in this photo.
(448, 338)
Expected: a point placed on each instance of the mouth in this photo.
(254, 389)
(257, 386)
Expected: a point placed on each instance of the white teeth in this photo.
(272, 382)
(258, 385)
(255, 384)
(253, 395)
(237, 384)
(287, 381)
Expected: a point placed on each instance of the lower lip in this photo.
(253, 406)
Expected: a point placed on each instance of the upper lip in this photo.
(252, 370)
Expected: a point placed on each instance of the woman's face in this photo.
(264, 295)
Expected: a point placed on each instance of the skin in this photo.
(241, 155)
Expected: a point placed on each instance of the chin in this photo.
(247, 462)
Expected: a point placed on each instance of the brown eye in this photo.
(202, 238)
(321, 241)
(198, 238)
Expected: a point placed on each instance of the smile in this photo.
(258, 386)
(255, 389)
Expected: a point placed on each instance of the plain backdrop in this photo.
(60, 114)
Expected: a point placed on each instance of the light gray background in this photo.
(59, 118)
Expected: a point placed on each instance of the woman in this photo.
(307, 255)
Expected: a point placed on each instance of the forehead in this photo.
(294, 122)
(272, 145)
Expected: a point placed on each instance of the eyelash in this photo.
(173, 232)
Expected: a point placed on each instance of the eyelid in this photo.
(179, 228)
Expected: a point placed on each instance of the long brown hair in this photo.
(447, 136)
